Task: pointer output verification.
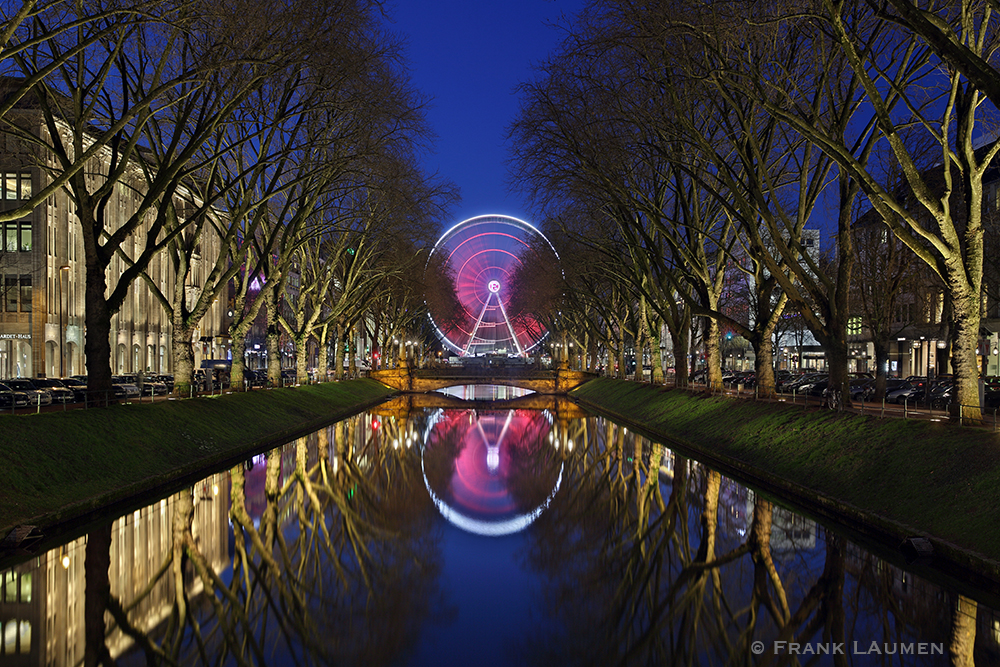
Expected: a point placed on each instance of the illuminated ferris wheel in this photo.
(482, 255)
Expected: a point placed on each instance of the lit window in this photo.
(26, 587)
(17, 236)
(10, 637)
(25, 228)
(9, 587)
(25, 636)
(17, 185)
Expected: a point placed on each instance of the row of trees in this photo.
(682, 144)
(287, 131)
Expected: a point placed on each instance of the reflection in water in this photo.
(330, 550)
(490, 473)
(484, 392)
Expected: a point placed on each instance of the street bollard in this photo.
(904, 408)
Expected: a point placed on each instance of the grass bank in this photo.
(891, 478)
(60, 465)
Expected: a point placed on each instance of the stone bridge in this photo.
(421, 380)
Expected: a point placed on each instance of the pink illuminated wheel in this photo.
(482, 255)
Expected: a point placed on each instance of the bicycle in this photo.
(833, 398)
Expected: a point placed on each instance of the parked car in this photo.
(911, 391)
(817, 388)
(78, 387)
(806, 383)
(124, 388)
(862, 389)
(941, 394)
(60, 392)
(254, 378)
(10, 397)
(36, 395)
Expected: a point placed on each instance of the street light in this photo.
(62, 329)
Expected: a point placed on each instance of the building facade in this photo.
(42, 323)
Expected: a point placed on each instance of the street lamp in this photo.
(62, 329)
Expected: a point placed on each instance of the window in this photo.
(17, 291)
(10, 293)
(17, 236)
(26, 293)
(17, 185)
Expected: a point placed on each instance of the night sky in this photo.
(467, 57)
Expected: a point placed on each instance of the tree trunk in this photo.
(183, 355)
(764, 366)
(98, 339)
(273, 340)
(713, 355)
(338, 352)
(323, 361)
(237, 378)
(681, 340)
(838, 354)
(302, 360)
(881, 367)
(966, 321)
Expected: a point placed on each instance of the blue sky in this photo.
(467, 56)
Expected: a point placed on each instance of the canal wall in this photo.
(58, 468)
(882, 480)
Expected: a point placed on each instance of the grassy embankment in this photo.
(899, 477)
(60, 465)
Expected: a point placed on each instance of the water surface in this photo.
(428, 536)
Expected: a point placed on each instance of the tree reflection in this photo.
(339, 562)
(647, 558)
(641, 573)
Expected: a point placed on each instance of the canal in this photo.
(481, 534)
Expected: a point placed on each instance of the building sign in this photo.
(18, 336)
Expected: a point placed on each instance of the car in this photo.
(862, 389)
(806, 383)
(153, 387)
(911, 391)
(254, 378)
(941, 394)
(148, 385)
(166, 379)
(60, 392)
(123, 387)
(10, 398)
(36, 395)
(77, 386)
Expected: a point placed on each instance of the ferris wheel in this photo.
(481, 255)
